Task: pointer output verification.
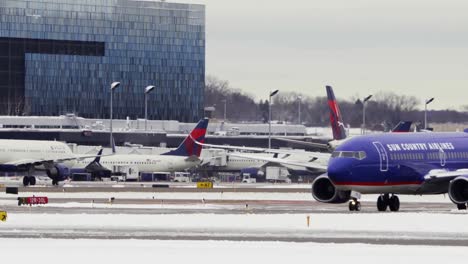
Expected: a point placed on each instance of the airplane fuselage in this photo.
(397, 163)
(144, 163)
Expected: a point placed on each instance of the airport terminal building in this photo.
(60, 56)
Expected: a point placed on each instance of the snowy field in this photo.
(227, 252)
(272, 196)
(454, 223)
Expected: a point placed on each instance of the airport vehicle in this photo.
(181, 176)
(393, 163)
(125, 173)
(277, 174)
(247, 178)
(186, 156)
(29, 156)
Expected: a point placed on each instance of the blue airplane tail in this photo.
(402, 127)
(336, 120)
(188, 147)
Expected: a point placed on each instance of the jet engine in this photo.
(458, 190)
(324, 191)
(58, 173)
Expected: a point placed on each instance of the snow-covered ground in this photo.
(455, 222)
(273, 196)
(227, 252)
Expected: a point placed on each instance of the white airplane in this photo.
(186, 156)
(53, 157)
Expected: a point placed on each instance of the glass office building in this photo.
(60, 56)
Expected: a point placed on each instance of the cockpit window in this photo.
(360, 155)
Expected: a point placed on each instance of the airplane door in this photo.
(443, 157)
(383, 156)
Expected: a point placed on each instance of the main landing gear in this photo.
(385, 200)
(461, 206)
(29, 180)
(55, 182)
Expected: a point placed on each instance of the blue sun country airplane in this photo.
(391, 163)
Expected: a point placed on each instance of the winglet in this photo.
(113, 145)
(97, 159)
(190, 146)
(336, 120)
(402, 127)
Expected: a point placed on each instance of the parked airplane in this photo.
(186, 156)
(391, 164)
(53, 157)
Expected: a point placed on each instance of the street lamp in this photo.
(113, 86)
(148, 89)
(428, 101)
(269, 117)
(364, 101)
(299, 99)
(224, 101)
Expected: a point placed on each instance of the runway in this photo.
(247, 213)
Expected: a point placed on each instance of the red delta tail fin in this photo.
(188, 147)
(336, 120)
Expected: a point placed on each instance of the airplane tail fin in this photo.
(402, 127)
(188, 147)
(336, 120)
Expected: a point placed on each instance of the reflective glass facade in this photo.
(59, 56)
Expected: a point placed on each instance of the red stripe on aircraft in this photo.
(379, 183)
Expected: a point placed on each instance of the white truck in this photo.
(181, 177)
(246, 178)
(125, 173)
(277, 174)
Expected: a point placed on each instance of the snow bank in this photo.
(155, 251)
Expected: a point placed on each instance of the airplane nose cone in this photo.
(339, 171)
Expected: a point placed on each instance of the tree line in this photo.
(383, 111)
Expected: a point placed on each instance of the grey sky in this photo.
(417, 47)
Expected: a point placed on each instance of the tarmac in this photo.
(215, 206)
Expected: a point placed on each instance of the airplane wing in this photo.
(444, 175)
(305, 143)
(307, 165)
(317, 155)
(231, 147)
(38, 162)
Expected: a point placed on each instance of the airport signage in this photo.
(33, 200)
(3, 216)
(204, 185)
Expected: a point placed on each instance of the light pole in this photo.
(269, 117)
(428, 101)
(148, 89)
(113, 86)
(225, 102)
(364, 101)
(299, 100)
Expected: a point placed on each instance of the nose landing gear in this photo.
(385, 200)
(354, 205)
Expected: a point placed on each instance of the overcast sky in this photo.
(360, 47)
